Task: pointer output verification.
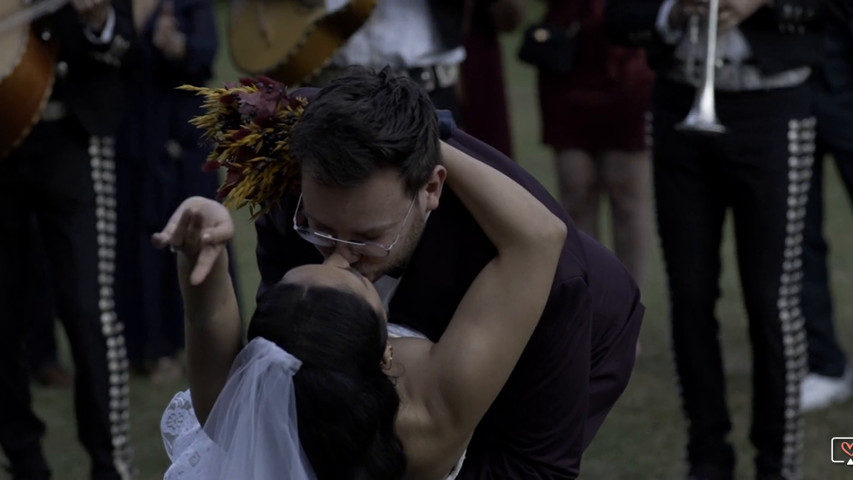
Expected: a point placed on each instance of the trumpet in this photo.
(702, 117)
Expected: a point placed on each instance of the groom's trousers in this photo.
(65, 177)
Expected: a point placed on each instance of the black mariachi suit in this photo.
(449, 17)
(63, 173)
(577, 362)
(832, 86)
(761, 169)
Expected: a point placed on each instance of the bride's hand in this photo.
(200, 228)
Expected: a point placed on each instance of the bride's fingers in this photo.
(204, 263)
(160, 240)
(164, 237)
(221, 233)
(192, 238)
(179, 235)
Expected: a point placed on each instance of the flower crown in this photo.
(249, 125)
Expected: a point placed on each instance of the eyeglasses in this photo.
(325, 240)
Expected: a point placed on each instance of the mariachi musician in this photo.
(310, 42)
(760, 168)
(63, 173)
(421, 38)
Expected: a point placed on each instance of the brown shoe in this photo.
(53, 375)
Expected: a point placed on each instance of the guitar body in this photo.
(287, 41)
(25, 85)
(27, 73)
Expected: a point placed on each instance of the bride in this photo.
(321, 390)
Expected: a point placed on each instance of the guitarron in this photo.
(291, 40)
(27, 73)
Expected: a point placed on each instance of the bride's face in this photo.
(335, 272)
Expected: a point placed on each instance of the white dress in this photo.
(187, 444)
(185, 441)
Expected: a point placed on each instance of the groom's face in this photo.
(379, 212)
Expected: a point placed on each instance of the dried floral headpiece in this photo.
(249, 125)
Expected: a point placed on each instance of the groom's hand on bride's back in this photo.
(200, 228)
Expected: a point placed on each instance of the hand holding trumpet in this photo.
(94, 13)
(683, 10)
(731, 12)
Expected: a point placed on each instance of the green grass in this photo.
(643, 437)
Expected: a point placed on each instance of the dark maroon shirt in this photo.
(577, 361)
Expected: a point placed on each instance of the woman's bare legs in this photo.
(578, 181)
(625, 177)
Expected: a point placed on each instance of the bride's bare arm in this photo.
(214, 333)
(492, 324)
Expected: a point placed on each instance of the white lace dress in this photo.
(187, 444)
(185, 441)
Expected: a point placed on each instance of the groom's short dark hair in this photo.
(365, 121)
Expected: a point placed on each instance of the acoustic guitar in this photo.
(27, 70)
(291, 40)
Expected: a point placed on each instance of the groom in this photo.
(367, 144)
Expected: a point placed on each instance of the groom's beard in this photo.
(395, 263)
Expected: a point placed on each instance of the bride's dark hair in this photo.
(346, 405)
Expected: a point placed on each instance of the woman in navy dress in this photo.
(160, 163)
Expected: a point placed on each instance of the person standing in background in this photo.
(594, 119)
(830, 377)
(759, 168)
(422, 39)
(161, 159)
(63, 173)
(42, 353)
(482, 91)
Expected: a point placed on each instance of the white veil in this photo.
(254, 417)
(252, 425)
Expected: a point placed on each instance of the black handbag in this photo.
(550, 48)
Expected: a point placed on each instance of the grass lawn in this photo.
(644, 436)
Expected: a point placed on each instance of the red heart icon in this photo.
(848, 448)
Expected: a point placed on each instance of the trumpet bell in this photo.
(702, 117)
(698, 121)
